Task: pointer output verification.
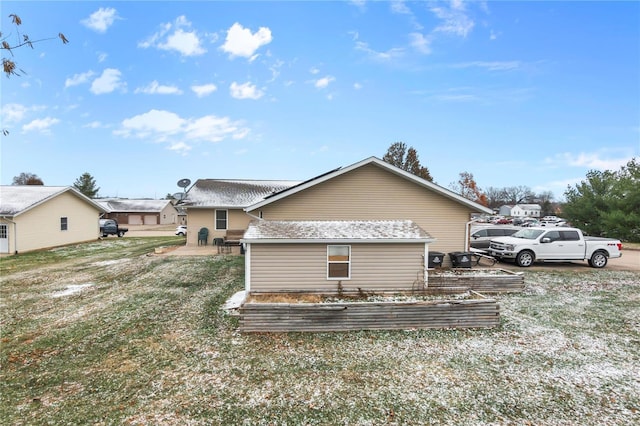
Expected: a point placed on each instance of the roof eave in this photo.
(374, 160)
(337, 240)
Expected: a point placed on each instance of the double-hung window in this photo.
(64, 223)
(338, 262)
(221, 219)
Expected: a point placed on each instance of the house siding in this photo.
(372, 193)
(303, 267)
(39, 227)
(205, 218)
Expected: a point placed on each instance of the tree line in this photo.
(606, 203)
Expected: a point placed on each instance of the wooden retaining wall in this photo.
(505, 282)
(319, 317)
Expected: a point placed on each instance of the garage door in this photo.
(135, 219)
(150, 219)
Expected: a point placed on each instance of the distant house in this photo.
(219, 204)
(521, 210)
(34, 217)
(140, 212)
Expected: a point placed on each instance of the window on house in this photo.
(221, 219)
(3, 231)
(338, 262)
(63, 223)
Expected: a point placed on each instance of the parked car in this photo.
(552, 244)
(181, 230)
(111, 227)
(530, 222)
(480, 238)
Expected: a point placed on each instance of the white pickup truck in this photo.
(554, 244)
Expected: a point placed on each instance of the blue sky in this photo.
(147, 93)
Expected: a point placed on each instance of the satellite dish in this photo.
(183, 183)
(179, 196)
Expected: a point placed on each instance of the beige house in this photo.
(140, 211)
(219, 205)
(34, 217)
(375, 190)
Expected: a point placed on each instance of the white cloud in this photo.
(94, 125)
(240, 41)
(107, 82)
(102, 57)
(314, 71)
(13, 113)
(454, 18)
(180, 147)
(600, 160)
(101, 19)
(40, 125)
(78, 79)
(155, 124)
(245, 91)
(323, 82)
(178, 37)
(166, 126)
(491, 65)
(387, 56)
(154, 88)
(399, 6)
(357, 86)
(420, 43)
(204, 89)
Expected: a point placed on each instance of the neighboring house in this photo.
(521, 210)
(335, 256)
(34, 217)
(140, 212)
(218, 204)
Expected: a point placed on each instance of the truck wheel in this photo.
(120, 234)
(525, 258)
(598, 260)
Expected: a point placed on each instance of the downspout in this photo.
(15, 233)
(467, 232)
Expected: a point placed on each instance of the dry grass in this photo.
(113, 334)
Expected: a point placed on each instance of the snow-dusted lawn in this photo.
(139, 338)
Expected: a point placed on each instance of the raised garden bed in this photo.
(480, 280)
(470, 310)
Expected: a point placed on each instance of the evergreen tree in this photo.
(87, 185)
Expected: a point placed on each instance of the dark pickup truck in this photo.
(111, 227)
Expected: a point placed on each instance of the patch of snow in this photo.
(109, 262)
(71, 289)
(234, 301)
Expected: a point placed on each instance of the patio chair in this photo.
(203, 235)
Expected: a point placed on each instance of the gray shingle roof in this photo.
(141, 206)
(232, 193)
(16, 199)
(274, 231)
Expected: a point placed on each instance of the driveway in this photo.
(630, 261)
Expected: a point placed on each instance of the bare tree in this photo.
(9, 66)
(27, 179)
(407, 160)
(468, 188)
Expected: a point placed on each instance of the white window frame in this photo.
(64, 223)
(226, 220)
(348, 262)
